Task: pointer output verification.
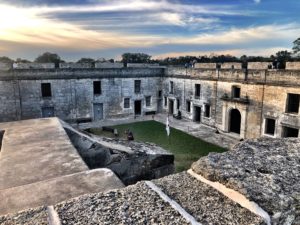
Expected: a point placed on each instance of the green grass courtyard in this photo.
(186, 148)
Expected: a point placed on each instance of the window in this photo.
(159, 94)
(171, 87)
(126, 103)
(166, 101)
(207, 111)
(197, 90)
(137, 86)
(46, 90)
(148, 101)
(270, 126)
(292, 103)
(290, 132)
(178, 103)
(188, 106)
(236, 92)
(97, 88)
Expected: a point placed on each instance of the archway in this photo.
(235, 121)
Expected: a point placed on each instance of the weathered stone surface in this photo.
(29, 217)
(136, 204)
(266, 171)
(207, 205)
(131, 161)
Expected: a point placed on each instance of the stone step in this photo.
(52, 191)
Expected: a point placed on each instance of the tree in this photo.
(19, 60)
(281, 58)
(5, 59)
(136, 58)
(48, 57)
(86, 60)
(296, 47)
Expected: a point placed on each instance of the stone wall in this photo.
(263, 95)
(5, 66)
(142, 65)
(33, 65)
(108, 65)
(205, 65)
(258, 65)
(292, 66)
(231, 65)
(76, 65)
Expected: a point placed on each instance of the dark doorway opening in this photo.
(138, 107)
(1, 137)
(197, 114)
(290, 132)
(171, 107)
(235, 121)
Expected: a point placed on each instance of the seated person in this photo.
(130, 136)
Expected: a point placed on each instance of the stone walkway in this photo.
(201, 131)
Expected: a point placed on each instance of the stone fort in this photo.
(244, 103)
(53, 173)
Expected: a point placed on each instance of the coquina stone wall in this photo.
(263, 96)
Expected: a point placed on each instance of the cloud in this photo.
(257, 1)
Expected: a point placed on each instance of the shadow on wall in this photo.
(1, 137)
(130, 167)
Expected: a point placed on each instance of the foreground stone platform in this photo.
(266, 171)
(40, 166)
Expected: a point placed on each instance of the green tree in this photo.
(296, 47)
(48, 57)
(136, 58)
(281, 58)
(5, 59)
(86, 60)
(19, 60)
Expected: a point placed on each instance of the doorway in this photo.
(197, 114)
(171, 107)
(98, 111)
(235, 121)
(138, 107)
(47, 112)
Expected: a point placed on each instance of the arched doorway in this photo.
(235, 121)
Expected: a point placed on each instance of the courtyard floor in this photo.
(201, 131)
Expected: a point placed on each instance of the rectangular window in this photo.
(46, 90)
(166, 101)
(171, 87)
(148, 101)
(207, 111)
(178, 103)
(290, 132)
(137, 86)
(126, 103)
(97, 88)
(188, 106)
(197, 90)
(236, 92)
(270, 126)
(292, 103)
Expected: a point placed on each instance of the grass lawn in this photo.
(185, 147)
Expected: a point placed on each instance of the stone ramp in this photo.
(36, 150)
(52, 191)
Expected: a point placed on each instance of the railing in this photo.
(242, 100)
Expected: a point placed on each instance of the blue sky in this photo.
(161, 28)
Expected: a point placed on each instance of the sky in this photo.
(161, 28)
